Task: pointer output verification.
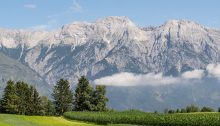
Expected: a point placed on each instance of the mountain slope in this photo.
(13, 69)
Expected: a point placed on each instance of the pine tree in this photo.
(36, 103)
(22, 93)
(82, 95)
(63, 96)
(98, 99)
(9, 101)
(30, 101)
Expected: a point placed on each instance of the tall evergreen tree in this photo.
(63, 96)
(30, 101)
(98, 99)
(36, 105)
(22, 93)
(9, 101)
(1, 109)
(82, 95)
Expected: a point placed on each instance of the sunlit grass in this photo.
(21, 120)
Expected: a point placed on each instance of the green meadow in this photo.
(21, 120)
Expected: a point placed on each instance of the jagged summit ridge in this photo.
(110, 45)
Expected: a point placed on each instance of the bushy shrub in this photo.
(207, 109)
(177, 110)
(192, 108)
(170, 111)
(183, 110)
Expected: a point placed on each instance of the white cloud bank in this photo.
(30, 6)
(130, 79)
(195, 74)
(213, 70)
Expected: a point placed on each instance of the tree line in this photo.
(22, 99)
(189, 109)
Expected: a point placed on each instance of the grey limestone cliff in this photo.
(111, 45)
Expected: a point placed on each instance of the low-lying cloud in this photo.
(130, 79)
(195, 74)
(213, 70)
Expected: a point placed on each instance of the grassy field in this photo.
(20, 120)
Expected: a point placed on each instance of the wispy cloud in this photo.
(54, 15)
(30, 6)
(43, 27)
(215, 22)
(52, 21)
(40, 27)
(74, 8)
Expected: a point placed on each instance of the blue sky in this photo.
(53, 14)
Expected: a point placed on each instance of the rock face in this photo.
(111, 45)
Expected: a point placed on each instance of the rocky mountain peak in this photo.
(113, 20)
(180, 22)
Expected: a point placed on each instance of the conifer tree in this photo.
(30, 101)
(9, 101)
(36, 103)
(63, 96)
(22, 93)
(82, 95)
(98, 99)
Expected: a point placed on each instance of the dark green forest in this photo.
(22, 99)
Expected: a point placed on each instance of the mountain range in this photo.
(113, 45)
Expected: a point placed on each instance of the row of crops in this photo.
(143, 118)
